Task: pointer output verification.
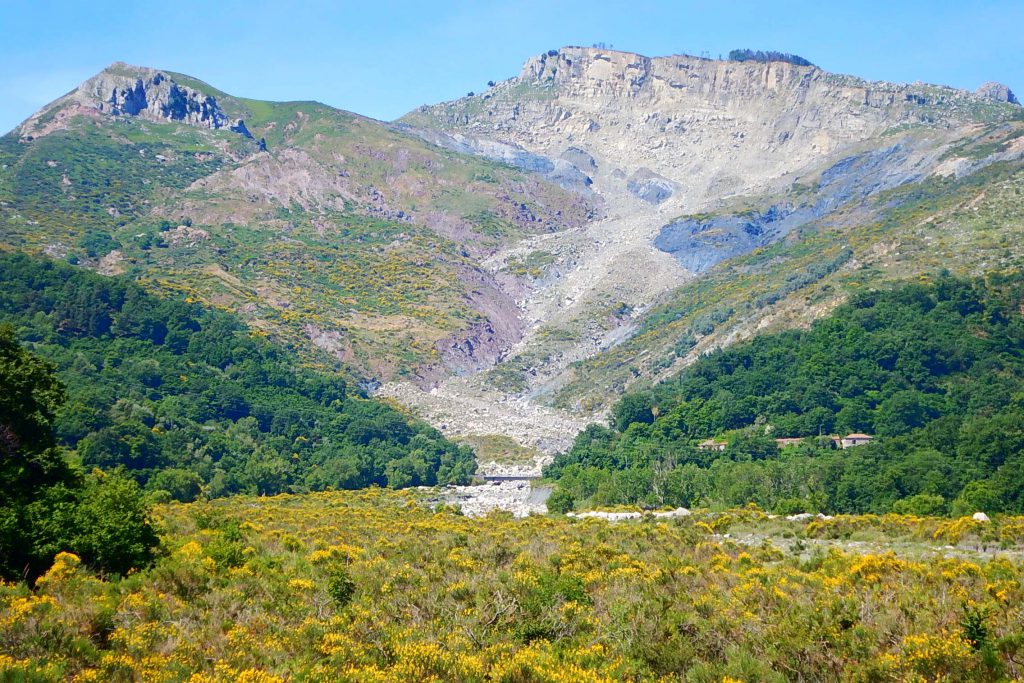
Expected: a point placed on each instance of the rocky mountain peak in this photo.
(678, 79)
(996, 92)
(126, 90)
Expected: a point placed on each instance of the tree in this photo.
(904, 411)
(29, 460)
(923, 504)
(977, 496)
(45, 505)
(767, 56)
(30, 397)
(112, 528)
(753, 446)
(632, 408)
(560, 501)
(182, 485)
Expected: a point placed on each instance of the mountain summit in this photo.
(716, 127)
(125, 90)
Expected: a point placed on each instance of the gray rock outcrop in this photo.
(700, 242)
(562, 171)
(996, 92)
(580, 159)
(151, 94)
(649, 186)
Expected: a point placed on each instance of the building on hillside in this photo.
(787, 442)
(712, 445)
(851, 440)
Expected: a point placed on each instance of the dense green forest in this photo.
(934, 370)
(47, 504)
(189, 401)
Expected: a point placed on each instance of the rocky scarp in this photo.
(715, 128)
(125, 90)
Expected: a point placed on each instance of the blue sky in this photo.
(384, 58)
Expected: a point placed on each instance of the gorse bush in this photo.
(375, 586)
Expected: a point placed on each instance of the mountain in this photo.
(509, 263)
(737, 261)
(334, 232)
(740, 196)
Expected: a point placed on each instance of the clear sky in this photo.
(383, 58)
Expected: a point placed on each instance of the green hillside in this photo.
(189, 400)
(934, 371)
(347, 240)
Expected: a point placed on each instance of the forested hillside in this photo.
(188, 399)
(47, 505)
(934, 370)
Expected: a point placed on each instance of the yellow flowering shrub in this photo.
(374, 586)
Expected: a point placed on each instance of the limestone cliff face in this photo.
(714, 128)
(124, 90)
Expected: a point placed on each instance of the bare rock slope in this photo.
(697, 161)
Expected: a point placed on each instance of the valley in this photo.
(503, 264)
(584, 302)
(624, 368)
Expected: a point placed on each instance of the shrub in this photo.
(340, 586)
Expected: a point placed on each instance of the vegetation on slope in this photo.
(968, 225)
(747, 55)
(935, 371)
(344, 225)
(188, 399)
(46, 504)
(373, 586)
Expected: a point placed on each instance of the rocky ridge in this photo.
(717, 128)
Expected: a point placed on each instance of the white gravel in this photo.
(517, 497)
